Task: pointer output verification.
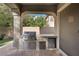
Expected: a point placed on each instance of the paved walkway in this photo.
(9, 50)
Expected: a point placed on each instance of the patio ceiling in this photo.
(38, 7)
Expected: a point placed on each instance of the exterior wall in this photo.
(69, 30)
(47, 30)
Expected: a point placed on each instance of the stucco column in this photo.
(37, 45)
(58, 30)
(16, 26)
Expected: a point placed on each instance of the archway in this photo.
(48, 14)
(15, 14)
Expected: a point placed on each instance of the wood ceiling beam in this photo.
(62, 6)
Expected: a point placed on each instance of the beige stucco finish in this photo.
(32, 29)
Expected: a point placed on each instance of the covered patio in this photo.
(60, 12)
(18, 11)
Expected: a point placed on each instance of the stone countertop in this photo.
(48, 35)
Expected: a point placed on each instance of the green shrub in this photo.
(2, 36)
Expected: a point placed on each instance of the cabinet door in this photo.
(42, 45)
(51, 43)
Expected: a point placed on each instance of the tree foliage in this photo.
(5, 16)
(29, 21)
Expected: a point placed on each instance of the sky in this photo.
(38, 14)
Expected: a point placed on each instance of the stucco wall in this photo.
(48, 30)
(69, 30)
